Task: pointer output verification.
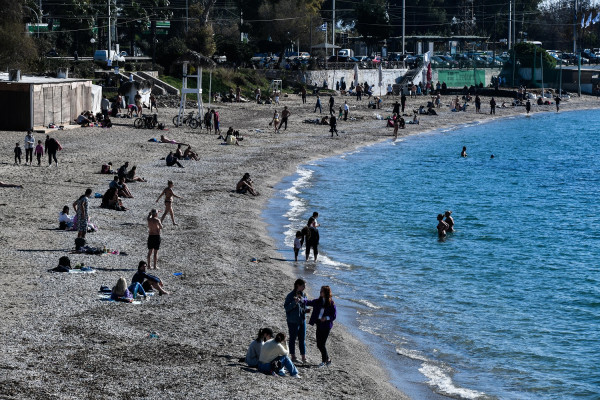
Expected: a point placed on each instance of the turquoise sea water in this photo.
(506, 307)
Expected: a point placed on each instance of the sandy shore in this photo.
(59, 340)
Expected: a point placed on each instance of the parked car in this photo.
(439, 62)
(52, 53)
(102, 56)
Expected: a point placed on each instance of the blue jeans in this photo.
(136, 288)
(297, 331)
(285, 361)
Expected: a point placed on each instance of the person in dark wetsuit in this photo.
(528, 106)
(557, 99)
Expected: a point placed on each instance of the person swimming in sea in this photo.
(463, 153)
(442, 227)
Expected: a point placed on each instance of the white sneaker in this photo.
(297, 376)
(321, 365)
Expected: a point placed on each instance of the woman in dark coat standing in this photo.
(323, 315)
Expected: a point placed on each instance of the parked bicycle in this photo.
(189, 120)
(146, 121)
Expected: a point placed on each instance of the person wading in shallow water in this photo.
(169, 195)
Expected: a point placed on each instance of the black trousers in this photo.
(39, 158)
(322, 335)
(29, 155)
(283, 122)
(52, 155)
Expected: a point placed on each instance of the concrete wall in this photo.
(390, 76)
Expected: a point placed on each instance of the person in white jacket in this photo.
(255, 347)
(29, 145)
(276, 350)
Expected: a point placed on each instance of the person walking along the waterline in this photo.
(154, 228)
(169, 195)
(323, 314)
(493, 106)
(295, 309)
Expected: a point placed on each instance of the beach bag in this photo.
(64, 261)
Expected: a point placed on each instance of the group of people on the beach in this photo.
(273, 354)
(50, 147)
(309, 236)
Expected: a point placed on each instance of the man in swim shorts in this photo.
(154, 227)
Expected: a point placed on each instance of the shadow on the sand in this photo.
(42, 250)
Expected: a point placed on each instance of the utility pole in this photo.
(403, 25)
(333, 31)
(575, 27)
(509, 24)
(187, 19)
(109, 44)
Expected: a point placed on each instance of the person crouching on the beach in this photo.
(154, 227)
(297, 244)
(148, 282)
(323, 314)
(295, 310)
(442, 227)
(253, 353)
(245, 185)
(274, 358)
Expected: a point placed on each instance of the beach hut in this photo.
(34, 101)
(130, 88)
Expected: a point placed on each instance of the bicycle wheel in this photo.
(138, 123)
(175, 121)
(193, 123)
(149, 124)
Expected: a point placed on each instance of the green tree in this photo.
(372, 21)
(17, 49)
(525, 53)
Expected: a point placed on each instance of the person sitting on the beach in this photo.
(325, 120)
(275, 351)
(231, 139)
(178, 153)
(164, 139)
(245, 185)
(107, 169)
(123, 188)
(65, 221)
(122, 171)
(442, 227)
(120, 292)
(111, 200)
(188, 154)
(253, 353)
(171, 160)
(415, 120)
(132, 177)
(449, 220)
(83, 119)
(148, 282)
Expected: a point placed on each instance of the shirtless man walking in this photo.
(154, 227)
(168, 193)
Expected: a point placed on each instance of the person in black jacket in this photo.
(51, 147)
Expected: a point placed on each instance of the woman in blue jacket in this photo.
(323, 315)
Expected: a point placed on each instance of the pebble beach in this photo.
(60, 340)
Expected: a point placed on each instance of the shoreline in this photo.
(55, 323)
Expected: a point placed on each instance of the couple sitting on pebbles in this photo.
(141, 283)
(270, 355)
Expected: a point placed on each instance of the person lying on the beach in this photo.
(132, 177)
(255, 347)
(65, 221)
(10, 185)
(171, 160)
(148, 282)
(120, 292)
(245, 186)
(164, 139)
(188, 154)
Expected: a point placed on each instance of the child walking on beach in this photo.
(297, 244)
(39, 152)
(18, 152)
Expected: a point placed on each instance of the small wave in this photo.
(369, 304)
(412, 354)
(335, 264)
(441, 380)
